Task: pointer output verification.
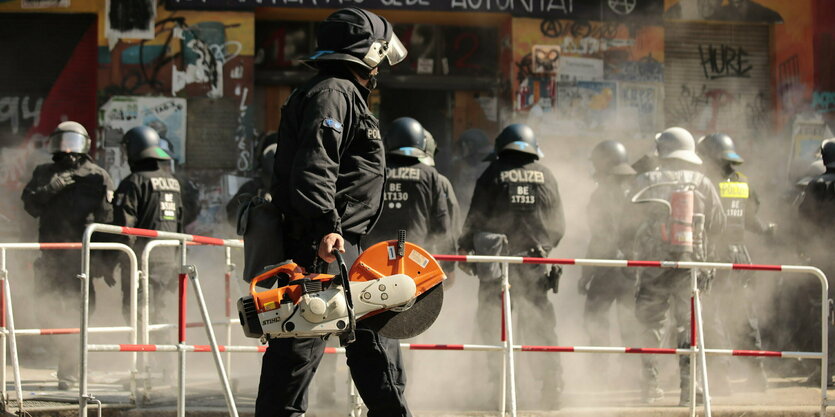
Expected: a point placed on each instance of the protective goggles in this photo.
(68, 142)
(392, 50)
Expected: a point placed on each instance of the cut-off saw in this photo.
(394, 287)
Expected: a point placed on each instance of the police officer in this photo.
(150, 198)
(518, 199)
(414, 198)
(741, 204)
(815, 210)
(605, 286)
(66, 195)
(675, 210)
(328, 185)
(256, 187)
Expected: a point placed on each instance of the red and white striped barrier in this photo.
(187, 272)
(473, 348)
(621, 263)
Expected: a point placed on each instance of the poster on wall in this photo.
(588, 103)
(807, 134)
(166, 115)
(639, 108)
(130, 19)
(760, 11)
(574, 68)
(546, 59)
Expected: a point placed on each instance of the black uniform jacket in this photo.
(64, 215)
(415, 201)
(149, 198)
(518, 197)
(329, 167)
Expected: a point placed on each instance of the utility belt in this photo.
(494, 244)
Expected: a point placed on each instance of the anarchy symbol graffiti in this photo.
(622, 7)
(551, 28)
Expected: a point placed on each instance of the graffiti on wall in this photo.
(724, 61)
(594, 59)
(705, 109)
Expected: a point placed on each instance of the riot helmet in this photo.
(610, 157)
(357, 36)
(719, 148)
(69, 137)
(828, 152)
(142, 142)
(677, 143)
(517, 137)
(406, 137)
(431, 149)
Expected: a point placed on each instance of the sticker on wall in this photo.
(574, 68)
(130, 19)
(546, 59)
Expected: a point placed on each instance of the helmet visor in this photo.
(392, 50)
(68, 142)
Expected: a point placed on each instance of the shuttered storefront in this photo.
(716, 78)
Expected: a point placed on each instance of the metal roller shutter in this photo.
(716, 78)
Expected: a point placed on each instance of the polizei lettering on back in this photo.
(165, 184)
(404, 173)
(522, 175)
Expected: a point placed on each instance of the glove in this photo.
(105, 270)
(58, 182)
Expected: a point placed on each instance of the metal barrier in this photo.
(187, 272)
(696, 350)
(146, 327)
(7, 312)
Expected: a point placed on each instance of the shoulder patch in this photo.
(333, 124)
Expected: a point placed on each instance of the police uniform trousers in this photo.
(659, 291)
(288, 366)
(534, 321)
(610, 286)
(56, 282)
(606, 288)
(736, 292)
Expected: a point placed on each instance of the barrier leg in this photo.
(504, 363)
(230, 267)
(701, 345)
(181, 330)
(3, 276)
(9, 322)
(221, 371)
(693, 330)
(509, 346)
(824, 339)
(85, 315)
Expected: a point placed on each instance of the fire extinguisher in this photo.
(680, 226)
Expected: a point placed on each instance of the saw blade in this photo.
(412, 322)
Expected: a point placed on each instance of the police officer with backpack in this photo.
(516, 210)
(672, 212)
(741, 204)
(327, 185)
(414, 198)
(65, 196)
(150, 198)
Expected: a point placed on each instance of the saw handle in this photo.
(289, 269)
(348, 335)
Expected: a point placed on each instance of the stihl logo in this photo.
(270, 321)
